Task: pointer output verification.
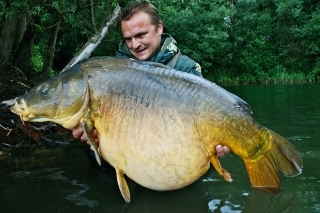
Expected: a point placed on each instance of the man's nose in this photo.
(135, 43)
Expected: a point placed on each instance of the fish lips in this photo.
(20, 108)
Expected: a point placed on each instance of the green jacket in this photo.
(169, 55)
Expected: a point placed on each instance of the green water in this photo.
(61, 179)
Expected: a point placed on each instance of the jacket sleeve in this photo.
(196, 70)
(186, 64)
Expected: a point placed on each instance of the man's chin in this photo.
(141, 57)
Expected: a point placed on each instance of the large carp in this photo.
(157, 125)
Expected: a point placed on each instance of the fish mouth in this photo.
(17, 106)
(20, 108)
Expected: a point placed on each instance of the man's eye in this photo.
(141, 35)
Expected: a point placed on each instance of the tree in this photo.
(201, 30)
(41, 26)
(12, 28)
(245, 41)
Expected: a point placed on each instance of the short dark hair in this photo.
(144, 6)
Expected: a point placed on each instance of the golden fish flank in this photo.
(157, 125)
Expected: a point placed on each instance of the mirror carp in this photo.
(157, 125)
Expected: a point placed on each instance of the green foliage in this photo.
(314, 75)
(244, 41)
(202, 35)
(248, 41)
(81, 23)
(37, 59)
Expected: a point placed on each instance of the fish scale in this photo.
(159, 126)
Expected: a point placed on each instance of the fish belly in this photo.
(158, 148)
(157, 169)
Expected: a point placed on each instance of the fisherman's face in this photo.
(142, 38)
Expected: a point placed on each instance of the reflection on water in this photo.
(61, 179)
(216, 205)
(294, 112)
(76, 195)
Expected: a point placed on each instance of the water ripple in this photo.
(222, 205)
(74, 195)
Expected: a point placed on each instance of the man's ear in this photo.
(160, 28)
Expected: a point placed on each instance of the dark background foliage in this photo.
(248, 41)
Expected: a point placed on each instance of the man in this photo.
(144, 40)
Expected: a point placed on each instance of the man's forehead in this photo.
(139, 17)
(138, 24)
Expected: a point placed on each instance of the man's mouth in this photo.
(139, 52)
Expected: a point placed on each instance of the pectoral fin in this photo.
(87, 126)
(216, 164)
(123, 186)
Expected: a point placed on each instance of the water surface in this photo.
(61, 179)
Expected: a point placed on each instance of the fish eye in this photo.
(44, 89)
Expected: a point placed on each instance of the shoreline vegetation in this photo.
(235, 42)
(278, 78)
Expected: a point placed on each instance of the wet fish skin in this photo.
(157, 125)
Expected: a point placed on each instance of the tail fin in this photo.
(281, 158)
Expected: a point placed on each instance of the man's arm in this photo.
(186, 64)
(196, 70)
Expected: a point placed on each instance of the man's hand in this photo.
(78, 133)
(221, 151)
